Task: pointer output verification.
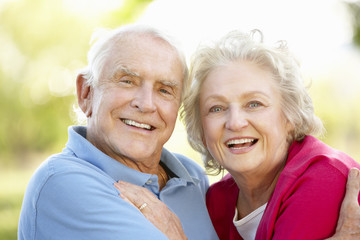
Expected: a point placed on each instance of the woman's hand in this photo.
(153, 209)
(348, 226)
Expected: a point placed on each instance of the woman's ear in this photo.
(84, 95)
(203, 140)
(290, 128)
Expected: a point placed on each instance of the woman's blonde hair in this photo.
(236, 46)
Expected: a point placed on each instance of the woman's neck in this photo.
(255, 190)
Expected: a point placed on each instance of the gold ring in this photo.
(142, 206)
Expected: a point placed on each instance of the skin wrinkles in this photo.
(123, 73)
(144, 88)
(216, 98)
(241, 101)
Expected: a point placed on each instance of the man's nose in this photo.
(144, 99)
(236, 119)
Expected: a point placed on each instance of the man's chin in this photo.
(138, 155)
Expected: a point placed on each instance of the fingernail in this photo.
(353, 173)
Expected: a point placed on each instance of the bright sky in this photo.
(91, 8)
(318, 31)
(311, 27)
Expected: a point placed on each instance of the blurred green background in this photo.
(44, 42)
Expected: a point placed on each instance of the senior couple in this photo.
(246, 111)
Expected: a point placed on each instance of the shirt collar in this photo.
(174, 164)
(84, 150)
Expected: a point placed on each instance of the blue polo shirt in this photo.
(72, 196)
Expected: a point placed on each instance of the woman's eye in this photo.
(215, 109)
(254, 104)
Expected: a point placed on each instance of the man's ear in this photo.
(84, 95)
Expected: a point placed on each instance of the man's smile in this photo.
(137, 124)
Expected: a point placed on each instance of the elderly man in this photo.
(130, 93)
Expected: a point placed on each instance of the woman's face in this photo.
(244, 127)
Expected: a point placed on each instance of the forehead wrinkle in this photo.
(255, 93)
(214, 97)
(245, 95)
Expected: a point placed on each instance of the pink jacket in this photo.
(306, 200)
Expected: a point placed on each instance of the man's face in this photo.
(133, 108)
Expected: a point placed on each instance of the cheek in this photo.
(104, 107)
(100, 106)
(211, 132)
(168, 112)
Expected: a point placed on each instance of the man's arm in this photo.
(348, 226)
(75, 204)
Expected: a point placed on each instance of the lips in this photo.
(138, 124)
(240, 143)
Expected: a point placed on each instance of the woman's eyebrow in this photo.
(256, 93)
(245, 95)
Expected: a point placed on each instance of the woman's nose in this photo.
(236, 119)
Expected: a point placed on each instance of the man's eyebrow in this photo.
(124, 70)
(169, 83)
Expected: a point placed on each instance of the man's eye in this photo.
(215, 109)
(127, 81)
(164, 91)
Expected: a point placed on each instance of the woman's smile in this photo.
(241, 110)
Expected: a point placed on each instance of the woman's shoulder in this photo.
(313, 155)
(221, 202)
(226, 185)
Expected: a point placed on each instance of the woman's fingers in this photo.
(134, 194)
(348, 226)
(152, 208)
(352, 189)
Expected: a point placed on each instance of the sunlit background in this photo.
(44, 42)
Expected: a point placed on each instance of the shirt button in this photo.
(149, 181)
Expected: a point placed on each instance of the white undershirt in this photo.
(248, 225)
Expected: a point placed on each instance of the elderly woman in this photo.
(254, 118)
(248, 112)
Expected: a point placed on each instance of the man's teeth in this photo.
(136, 124)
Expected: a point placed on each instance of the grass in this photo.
(13, 183)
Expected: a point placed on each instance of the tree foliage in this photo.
(42, 44)
(354, 8)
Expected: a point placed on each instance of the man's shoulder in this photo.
(65, 170)
(64, 163)
(71, 190)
